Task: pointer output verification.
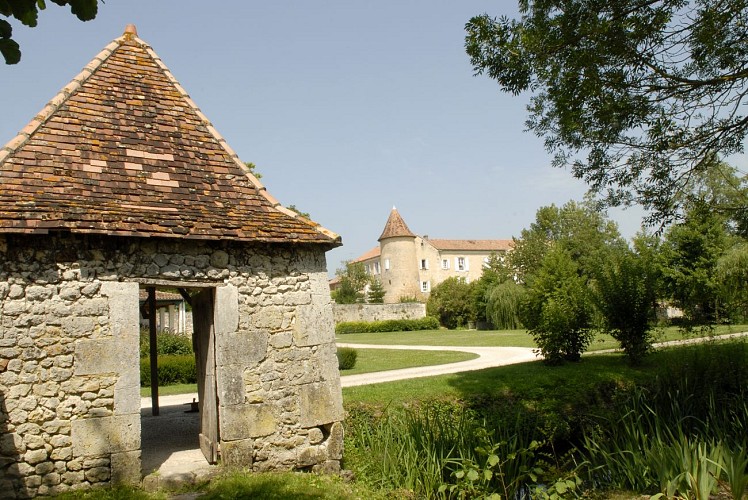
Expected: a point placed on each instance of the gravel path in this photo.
(488, 357)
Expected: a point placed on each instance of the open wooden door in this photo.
(203, 339)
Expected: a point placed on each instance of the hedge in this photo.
(172, 370)
(346, 358)
(390, 325)
(166, 343)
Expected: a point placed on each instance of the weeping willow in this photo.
(502, 305)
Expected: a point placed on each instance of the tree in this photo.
(503, 302)
(558, 309)
(450, 301)
(376, 292)
(353, 281)
(690, 252)
(27, 11)
(625, 294)
(636, 96)
(577, 227)
(495, 271)
(731, 274)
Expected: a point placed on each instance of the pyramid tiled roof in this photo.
(395, 227)
(123, 150)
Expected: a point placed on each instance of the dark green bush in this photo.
(346, 358)
(390, 325)
(178, 369)
(166, 344)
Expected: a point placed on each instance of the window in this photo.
(386, 264)
(376, 268)
(424, 264)
(461, 264)
(445, 263)
(425, 286)
(368, 270)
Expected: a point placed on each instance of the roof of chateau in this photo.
(395, 227)
(123, 150)
(472, 245)
(374, 252)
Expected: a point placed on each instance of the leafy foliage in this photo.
(390, 325)
(346, 357)
(691, 250)
(27, 12)
(625, 295)
(166, 344)
(173, 369)
(353, 281)
(731, 273)
(558, 309)
(452, 303)
(634, 96)
(503, 303)
(582, 230)
(376, 292)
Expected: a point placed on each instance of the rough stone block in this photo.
(238, 453)
(230, 385)
(227, 309)
(98, 437)
(335, 441)
(313, 326)
(126, 468)
(96, 356)
(320, 403)
(241, 348)
(247, 421)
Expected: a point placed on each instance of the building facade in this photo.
(409, 266)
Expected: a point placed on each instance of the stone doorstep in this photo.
(172, 478)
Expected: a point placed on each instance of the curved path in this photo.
(488, 357)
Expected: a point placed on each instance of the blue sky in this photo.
(347, 107)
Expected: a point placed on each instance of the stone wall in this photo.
(69, 372)
(378, 312)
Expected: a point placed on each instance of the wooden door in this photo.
(203, 338)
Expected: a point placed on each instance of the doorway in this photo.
(184, 427)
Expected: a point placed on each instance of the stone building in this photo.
(120, 184)
(408, 265)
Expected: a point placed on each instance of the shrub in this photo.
(451, 301)
(346, 358)
(558, 309)
(166, 344)
(390, 325)
(172, 370)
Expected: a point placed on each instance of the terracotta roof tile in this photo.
(122, 149)
(472, 245)
(374, 252)
(395, 227)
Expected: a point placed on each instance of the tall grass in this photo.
(414, 451)
(685, 435)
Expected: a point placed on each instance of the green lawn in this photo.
(533, 381)
(378, 360)
(498, 338)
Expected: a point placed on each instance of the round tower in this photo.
(398, 259)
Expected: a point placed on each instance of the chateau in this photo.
(409, 266)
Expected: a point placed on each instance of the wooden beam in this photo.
(154, 349)
(185, 295)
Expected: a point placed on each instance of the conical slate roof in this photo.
(123, 150)
(395, 227)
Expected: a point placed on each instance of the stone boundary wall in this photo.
(378, 312)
